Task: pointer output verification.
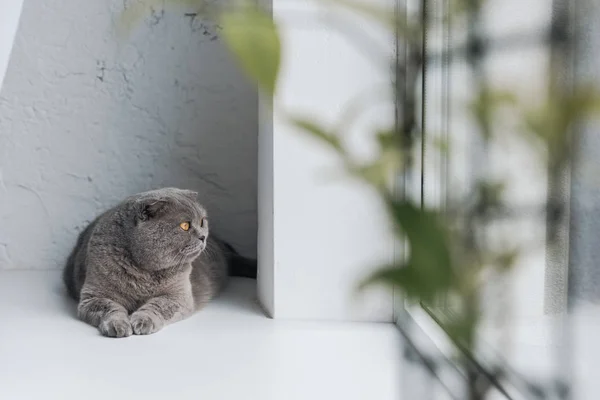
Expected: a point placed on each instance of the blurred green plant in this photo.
(448, 251)
(252, 37)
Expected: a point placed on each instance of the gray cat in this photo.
(149, 262)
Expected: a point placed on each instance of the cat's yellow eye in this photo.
(185, 226)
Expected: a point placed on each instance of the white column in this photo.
(10, 11)
(320, 232)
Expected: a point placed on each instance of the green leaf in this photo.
(253, 37)
(461, 7)
(552, 122)
(506, 260)
(400, 276)
(390, 138)
(461, 329)
(486, 104)
(317, 131)
(380, 171)
(428, 242)
(440, 143)
(428, 272)
(489, 195)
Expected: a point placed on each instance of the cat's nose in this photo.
(202, 238)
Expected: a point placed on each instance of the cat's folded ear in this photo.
(149, 208)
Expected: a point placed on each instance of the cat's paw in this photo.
(117, 327)
(144, 323)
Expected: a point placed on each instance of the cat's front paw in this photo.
(117, 327)
(144, 323)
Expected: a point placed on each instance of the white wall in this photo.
(323, 233)
(10, 11)
(86, 119)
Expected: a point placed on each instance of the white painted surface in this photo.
(87, 119)
(10, 11)
(266, 202)
(227, 351)
(328, 231)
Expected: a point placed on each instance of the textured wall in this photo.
(87, 118)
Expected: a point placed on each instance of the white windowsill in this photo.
(230, 350)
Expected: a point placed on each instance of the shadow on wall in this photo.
(87, 119)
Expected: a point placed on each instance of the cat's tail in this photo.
(240, 266)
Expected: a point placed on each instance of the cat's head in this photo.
(170, 228)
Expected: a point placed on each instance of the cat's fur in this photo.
(134, 270)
